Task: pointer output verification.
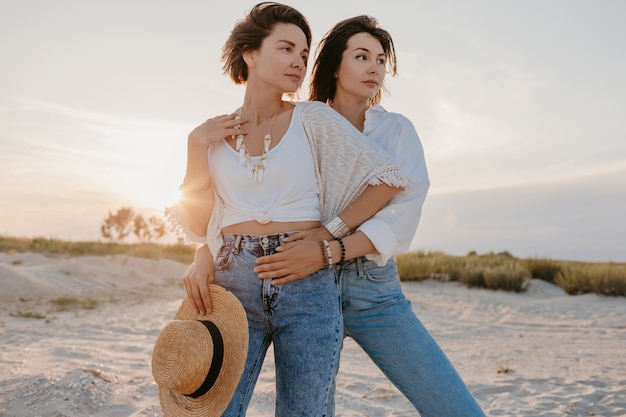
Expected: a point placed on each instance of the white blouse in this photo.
(392, 229)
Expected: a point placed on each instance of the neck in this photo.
(260, 105)
(352, 109)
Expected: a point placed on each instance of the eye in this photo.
(382, 61)
(361, 57)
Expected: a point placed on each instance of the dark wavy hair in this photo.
(330, 51)
(249, 33)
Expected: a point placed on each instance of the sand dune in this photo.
(541, 353)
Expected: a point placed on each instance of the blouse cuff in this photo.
(383, 239)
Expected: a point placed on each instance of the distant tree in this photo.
(158, 226)
(148, 230)
(116, 227)
(119, 225)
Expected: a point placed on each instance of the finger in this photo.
(189, 292)
(294, 237)
(269, 259)
(197, 300)
(233, 131)
(206, 298)
(286, 279)
(270, 266)
(278, 273)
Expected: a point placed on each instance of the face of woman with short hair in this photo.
(280, 62)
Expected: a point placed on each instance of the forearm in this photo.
(354, 246)
(196, 193)
(371, 200)
(197, 174)
(197, 211)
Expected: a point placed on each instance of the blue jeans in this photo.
(302, 319)
(380, 319)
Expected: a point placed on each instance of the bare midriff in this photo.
(271, 228)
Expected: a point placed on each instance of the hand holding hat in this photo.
(198, 360)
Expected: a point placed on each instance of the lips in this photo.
(371, 83)
(295, 77)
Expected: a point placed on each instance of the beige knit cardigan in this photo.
(345, 163)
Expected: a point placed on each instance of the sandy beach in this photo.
(539, 353)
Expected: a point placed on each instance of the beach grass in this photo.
(50, 246)
(75, 303)
(496, 271)
(502, 271)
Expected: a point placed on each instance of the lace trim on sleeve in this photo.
(174, 216)
(390, 175)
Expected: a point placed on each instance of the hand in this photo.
(316, 235)
(216, 129)
(197, 278)
(292, 261)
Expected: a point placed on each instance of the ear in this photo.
(249, 58)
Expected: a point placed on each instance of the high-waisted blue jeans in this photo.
(380, 319)
(302, 319)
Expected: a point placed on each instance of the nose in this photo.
(299, 62)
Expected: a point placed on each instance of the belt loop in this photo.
(237, 244)
(359, 266)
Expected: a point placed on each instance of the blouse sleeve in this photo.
(346, 161)
(392, 229)
(176, 218)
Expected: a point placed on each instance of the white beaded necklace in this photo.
(255, 170)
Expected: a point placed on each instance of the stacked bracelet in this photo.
(324, 255)
(336, 227)
(343, 250)
(329, 253)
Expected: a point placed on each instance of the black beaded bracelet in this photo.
(343, 250)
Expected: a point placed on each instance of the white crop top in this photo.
(289, 191)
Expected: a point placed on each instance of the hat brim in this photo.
(230, 317)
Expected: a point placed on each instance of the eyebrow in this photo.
(359, 48)
(293, 45)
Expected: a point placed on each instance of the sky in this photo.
(520, 106)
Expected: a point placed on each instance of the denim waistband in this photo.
(239, 241)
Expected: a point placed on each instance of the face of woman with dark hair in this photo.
(362, 69)
(280, 62)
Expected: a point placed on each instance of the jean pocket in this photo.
(225, 258)
(386, 273)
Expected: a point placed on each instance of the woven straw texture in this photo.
(183, 354)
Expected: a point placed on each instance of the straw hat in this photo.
(196, 377)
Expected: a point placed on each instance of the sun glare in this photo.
(151, 167)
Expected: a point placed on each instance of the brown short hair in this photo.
(249, 33)
(330, 52)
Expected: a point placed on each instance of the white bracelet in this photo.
(336, 227)
(329, 253)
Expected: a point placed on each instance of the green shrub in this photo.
(473, 277)
(73, 303)
(511, 276)
(542, 268)
(177, 252)
(574, 280)
(608, 279)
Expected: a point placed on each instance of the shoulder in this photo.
(378, 119)
(311, 106)
(378, 114)
(318, 113)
